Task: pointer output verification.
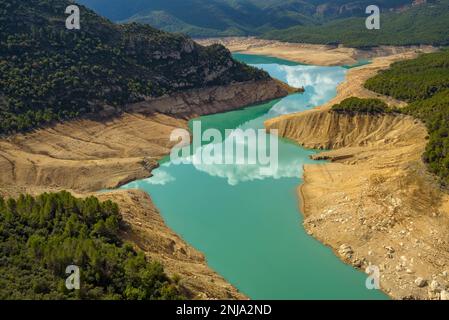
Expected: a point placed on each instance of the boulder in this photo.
(444, 295)
(420, 282)
(435, 286)
(345, 251)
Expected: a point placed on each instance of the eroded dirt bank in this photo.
(375, 203)
(323, 55)
(85, 156)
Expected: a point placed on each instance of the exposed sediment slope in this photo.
(375, 203)
(322, 129)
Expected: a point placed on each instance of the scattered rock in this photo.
(345, 251)
(420, 282)
(432, 295)
(390, 249)
(357, 263)
(444, 295)
(435, 286)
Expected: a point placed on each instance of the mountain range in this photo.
(235, 17)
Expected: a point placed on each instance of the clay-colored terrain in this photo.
(323, 55)
(86, 156)
(374, 203)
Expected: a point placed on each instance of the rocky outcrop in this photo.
(214, 99)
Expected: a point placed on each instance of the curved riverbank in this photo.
(375, 197)
(87, 155)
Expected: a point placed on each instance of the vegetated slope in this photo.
(424, 24)
(205, 18)
(41, 236)
(356, 105)
(48, 72)
(424, 82)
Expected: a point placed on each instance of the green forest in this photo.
(356, 105)
(40, 236)
(424, 83)
(49, 73)
(425, 24)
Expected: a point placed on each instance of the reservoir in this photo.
(248, 224)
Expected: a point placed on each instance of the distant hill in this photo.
(50, 73)
(424, 24)
(202, 18)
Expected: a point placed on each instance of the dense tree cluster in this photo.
(48, 72)
(41, 236)
(355, 105)
(424, 82)
(415, 79)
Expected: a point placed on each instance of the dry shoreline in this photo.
(321, 55)
(374, 203)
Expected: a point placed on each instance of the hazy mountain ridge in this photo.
(234, 17)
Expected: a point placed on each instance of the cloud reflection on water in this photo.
(320, 85)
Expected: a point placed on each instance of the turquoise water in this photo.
(247, 223)
(359, 63)
(255, 59)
